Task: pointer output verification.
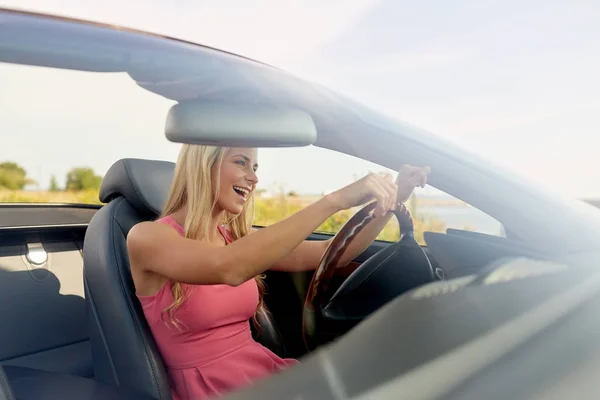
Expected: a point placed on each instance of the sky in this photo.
(516, 82)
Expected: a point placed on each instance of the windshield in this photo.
(64, 127)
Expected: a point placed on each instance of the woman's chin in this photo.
(234, 209)
(231, 205)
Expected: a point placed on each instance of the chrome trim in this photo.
(36, 254)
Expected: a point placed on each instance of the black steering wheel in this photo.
(397, 268)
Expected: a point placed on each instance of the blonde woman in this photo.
(197, 269)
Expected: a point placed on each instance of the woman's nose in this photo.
(252, 177)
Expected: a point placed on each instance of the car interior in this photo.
(73, 327)
(76, 314)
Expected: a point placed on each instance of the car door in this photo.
(42, 302)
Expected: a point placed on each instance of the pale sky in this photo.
(514, 81)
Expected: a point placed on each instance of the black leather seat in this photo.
(6, 390)
(123, 349)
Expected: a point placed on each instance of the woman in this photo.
(197, 269)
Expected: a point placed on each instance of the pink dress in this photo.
(214, 353)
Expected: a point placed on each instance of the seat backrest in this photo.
(6, 392)
(123, 349)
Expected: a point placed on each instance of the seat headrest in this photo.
(144, 183)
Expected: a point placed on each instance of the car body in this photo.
(476, 334)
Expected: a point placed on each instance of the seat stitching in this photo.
(101, 331)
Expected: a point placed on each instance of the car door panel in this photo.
(43, 306)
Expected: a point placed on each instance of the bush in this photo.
(272, 210)
(13, 176)
(83, 179)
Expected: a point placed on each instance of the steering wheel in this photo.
(397, 268)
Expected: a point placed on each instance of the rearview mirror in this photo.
(235, 125)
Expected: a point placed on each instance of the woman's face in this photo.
(238, 178)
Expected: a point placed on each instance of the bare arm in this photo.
(307, 255)
(157, 248)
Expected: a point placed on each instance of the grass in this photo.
(267, 210)
(84, 196)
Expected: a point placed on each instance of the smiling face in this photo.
(237, 179)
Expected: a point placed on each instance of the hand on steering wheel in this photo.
(372, 186)
(378, 269)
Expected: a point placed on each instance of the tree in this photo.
(83, 178)
(13, 176)
(53, 184)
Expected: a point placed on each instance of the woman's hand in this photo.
(372, 186)
(408, 179)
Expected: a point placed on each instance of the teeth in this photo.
(245, 191)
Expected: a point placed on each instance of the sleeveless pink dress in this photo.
(214, 352)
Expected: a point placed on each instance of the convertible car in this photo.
(458, 314)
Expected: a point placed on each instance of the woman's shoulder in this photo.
(148, 233)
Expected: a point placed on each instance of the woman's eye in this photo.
(241, 162)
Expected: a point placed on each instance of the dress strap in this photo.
(169, 220)
(226, 233)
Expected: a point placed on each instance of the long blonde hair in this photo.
(193, 186)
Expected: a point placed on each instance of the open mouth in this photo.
(241, 191)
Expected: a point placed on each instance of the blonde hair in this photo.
(193, 186)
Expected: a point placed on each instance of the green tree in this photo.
(13, 176)
(83, 178)
(53, 184)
